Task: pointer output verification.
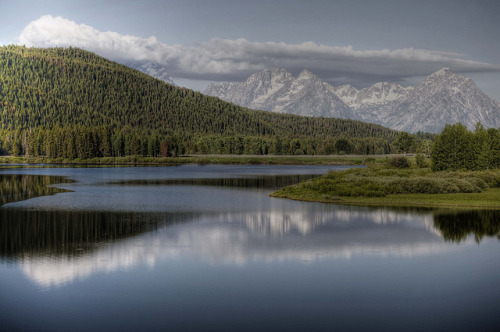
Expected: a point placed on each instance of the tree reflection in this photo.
(67, 232)
(457, 226)
(15, 188)
(260, 182)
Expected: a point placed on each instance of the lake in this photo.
(205, 248)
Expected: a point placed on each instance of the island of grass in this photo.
(385, 186)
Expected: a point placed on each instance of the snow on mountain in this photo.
(220, 90)
(377, 94)
(347, 93)
(441, 98)
(153, 69)
(278, 91)
(256, 91)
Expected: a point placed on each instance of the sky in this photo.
(343, 42)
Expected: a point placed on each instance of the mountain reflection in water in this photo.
(54, 248)
(238, 226)
(196, 247)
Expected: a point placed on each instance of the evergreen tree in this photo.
(404, 142)
(343, 145)
(454, 149)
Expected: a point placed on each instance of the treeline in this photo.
(70, 103)
(81, 142)
(456, 148)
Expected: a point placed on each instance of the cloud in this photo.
(234, 60)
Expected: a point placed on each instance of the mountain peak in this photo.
(445, 71)
(275, 71)
(269, 74)
(443, 97)
(306, 75)
(277, 90)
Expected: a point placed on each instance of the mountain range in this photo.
(442, 97)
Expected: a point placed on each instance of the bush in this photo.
(421, 161)
(379, 182)
(399, 162)
(466, 186)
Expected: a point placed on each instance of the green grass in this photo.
(401, 187)
(206, 159)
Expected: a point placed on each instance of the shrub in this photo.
(466, 186)
(421, 161)
(399, 162)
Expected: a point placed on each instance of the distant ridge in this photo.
(278, 91)
(441, 98)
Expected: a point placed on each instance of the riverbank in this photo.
(203, 159)
(379, 186)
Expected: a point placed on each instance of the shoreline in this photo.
(6, 161)
(487, 200)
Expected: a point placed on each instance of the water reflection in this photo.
(15, 188)
(54, 248)
(257, 182)
(457, 226)
(183, 218)
(67, 233)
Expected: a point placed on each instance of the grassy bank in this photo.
(401, 187)
(204, 159)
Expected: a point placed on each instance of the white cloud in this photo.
(220, 59)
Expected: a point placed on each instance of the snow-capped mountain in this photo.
(278, 91)
(153, 69)
(377, 94)
(441, 98)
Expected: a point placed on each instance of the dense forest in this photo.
(70, 103)
(457, 148)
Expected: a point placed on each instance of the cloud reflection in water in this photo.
(307, 235)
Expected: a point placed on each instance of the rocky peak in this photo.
(441, 98)
(278, 91)
(445, 71)
(306, 75)
(269, 75)
(444, 76)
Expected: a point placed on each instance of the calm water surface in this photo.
(205, 248)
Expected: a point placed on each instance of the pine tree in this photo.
(453, 149)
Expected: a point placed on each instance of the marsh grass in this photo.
(207, 159)
(409, 186)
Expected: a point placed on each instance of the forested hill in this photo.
(58, 87)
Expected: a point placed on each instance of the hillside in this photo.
(60, 87)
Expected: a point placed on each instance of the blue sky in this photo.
(356, 42)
